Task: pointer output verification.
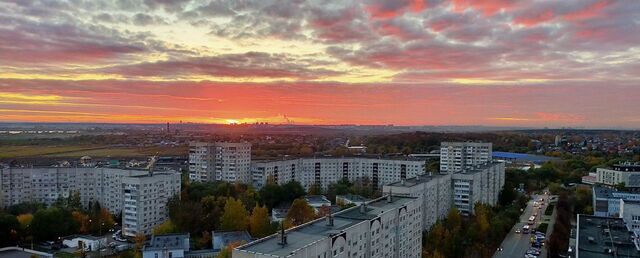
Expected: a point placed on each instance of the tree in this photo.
(299, 213)
(74, 202)
(260, 222)
(9, 227)
(52, 223)
(138, 241)
(25, 221)
(235, 216)
(212, 210)
(166, 227)
(82, 220)
(226, 252)
(315, 189)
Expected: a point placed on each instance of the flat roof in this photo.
(169, 241)
(306, 234)
(409, 182)
(597, 236)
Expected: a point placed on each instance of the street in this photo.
(517, 244)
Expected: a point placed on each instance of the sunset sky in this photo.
(492, 62)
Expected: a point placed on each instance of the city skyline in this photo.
(495, 63)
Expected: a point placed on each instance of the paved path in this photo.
(516, 244)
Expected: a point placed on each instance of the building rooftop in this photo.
(364, 156)
(352, 197)
(222, 239)
(409, 182)
(318, 200)
(523, 157)
(627, 167)
(602, 236)
(306, 234)
(169, 241)
(604, 192)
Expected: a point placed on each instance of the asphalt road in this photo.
(516, 244)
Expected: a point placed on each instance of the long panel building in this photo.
(385, 227)
(139, 196)
(47, 184)
(220, 161)
(327, 170)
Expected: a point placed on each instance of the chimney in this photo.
(283, 236)
(329, 220)
(363, 207)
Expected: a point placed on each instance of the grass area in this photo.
(543, 227)
(77, 151)
(549, 210)
(31, 150)
(64, 255)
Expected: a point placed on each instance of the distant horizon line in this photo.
(328, 125)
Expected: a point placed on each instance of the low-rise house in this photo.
(167, 246)
(85, 242)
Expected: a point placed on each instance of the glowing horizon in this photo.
(404, 62)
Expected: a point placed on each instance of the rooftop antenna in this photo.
(283, 236)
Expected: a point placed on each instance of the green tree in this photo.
(299, 213)
(52, 223)
(9, 227)
(235, 216)
(260, 222)
(166, 227)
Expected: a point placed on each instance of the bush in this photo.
(542, 228)
(549, 210)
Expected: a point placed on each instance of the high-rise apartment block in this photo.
(220, 161)
(433, 190)
(385, 227)
(482, 184)
(145, 201)
(459, 156)
(325, 171)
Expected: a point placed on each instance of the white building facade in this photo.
(479, 185)
(46, 185)
(459, 156)
(385, 227)
(434, 190)
(220, 161)
(624, 173)
(145, 201)
(325, 171)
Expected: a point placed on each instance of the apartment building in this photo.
(606, 201)
(626, 173)
(459, 156)
(385, 227)
(47, 184)
(220, 161)
(482, 184)
(145, 201)
(434, 190)
(325, 171)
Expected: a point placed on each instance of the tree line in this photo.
(33, 222)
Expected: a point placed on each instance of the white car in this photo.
(518, 231)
